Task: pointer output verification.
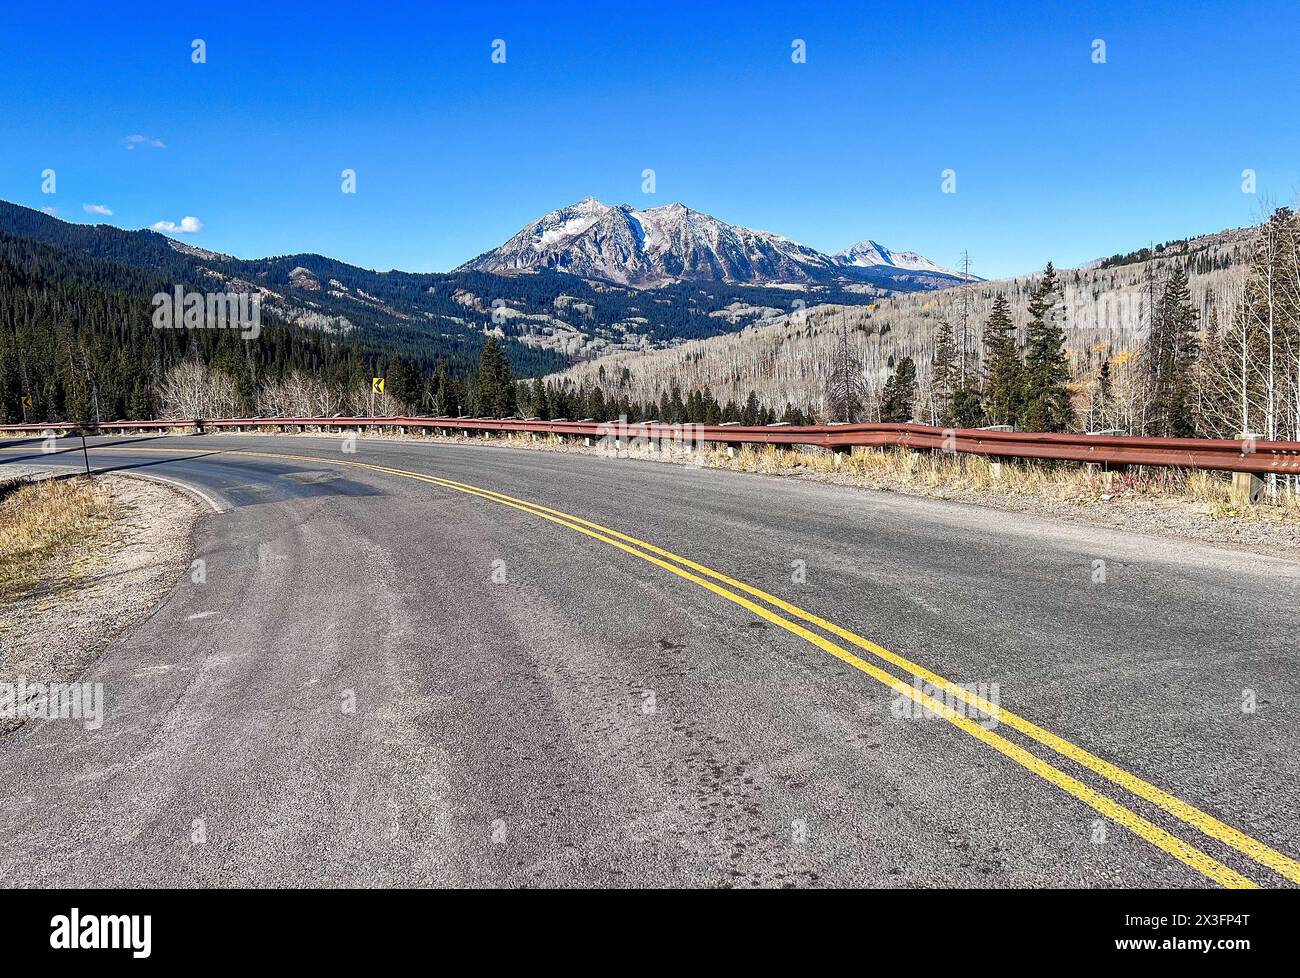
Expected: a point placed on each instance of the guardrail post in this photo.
(1107, 473)
(1247, 488)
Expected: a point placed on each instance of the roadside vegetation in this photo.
(1208, 492)
(970, 477)
(48, 529)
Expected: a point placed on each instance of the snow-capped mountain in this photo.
(869, 254)
(671, 243)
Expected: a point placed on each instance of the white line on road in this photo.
(216, 507)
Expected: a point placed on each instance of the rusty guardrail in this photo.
(1249, 455)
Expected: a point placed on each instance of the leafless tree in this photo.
(191, 390)
(844, 386)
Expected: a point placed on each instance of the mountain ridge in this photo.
(672, 242)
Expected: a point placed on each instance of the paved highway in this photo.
(570, 670)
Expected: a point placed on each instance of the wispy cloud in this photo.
(100, 209)
(188, 225)
(52, 211)
(147, 142)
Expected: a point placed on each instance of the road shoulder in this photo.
(99, 588)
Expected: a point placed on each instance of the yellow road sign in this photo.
(377, 385)
(27, 402)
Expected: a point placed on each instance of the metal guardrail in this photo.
(1225, 455)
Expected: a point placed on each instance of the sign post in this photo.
(85, 453)
(376, 387)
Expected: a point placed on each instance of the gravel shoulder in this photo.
(108, 586)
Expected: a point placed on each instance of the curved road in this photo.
(395, 675)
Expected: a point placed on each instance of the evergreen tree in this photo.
(1004, 372)
(1047, 371)
(900, 393)
(1099, 405)
(967, 411)
(677, 406)
(1169, 360)
(496, 386)
(945, 374)
(441, 394)
(541, 407)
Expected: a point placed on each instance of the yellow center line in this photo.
(1206, 823)
(1179, 849)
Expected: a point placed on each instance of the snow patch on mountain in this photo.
(671, 243)
(869, 254)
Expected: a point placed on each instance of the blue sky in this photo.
(1055, 156)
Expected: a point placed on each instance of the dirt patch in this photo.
(97, 583)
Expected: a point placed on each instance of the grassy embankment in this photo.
(49, 532)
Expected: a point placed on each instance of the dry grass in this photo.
(1208, 492)
(47, 529)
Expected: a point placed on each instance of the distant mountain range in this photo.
(579, 283)
(547, 319)
(869, 254)
(673, 243)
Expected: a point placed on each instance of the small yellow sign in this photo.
(376, 385)
(27, 402)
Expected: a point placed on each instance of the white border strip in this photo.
(216, 507)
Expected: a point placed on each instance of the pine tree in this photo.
(1099, 403)
(677, 406)
(441, 407)
(900, 393)
(945, 374)
(541, 408)
(1004, 372)
(1047, 371)
(598, 409)
(496, 386)
(1169, 356)
(967, 411)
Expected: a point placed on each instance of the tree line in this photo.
(1020, 384)
(1186, 374)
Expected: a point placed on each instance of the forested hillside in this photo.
(1199, 336)
(76, 336)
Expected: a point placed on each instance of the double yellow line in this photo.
(741, 594)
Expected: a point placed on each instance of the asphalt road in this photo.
(539, 705)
